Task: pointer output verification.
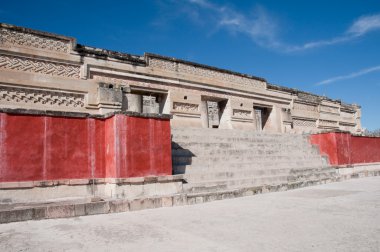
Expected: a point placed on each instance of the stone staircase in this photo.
(215, 160)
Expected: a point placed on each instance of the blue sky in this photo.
(326, 47)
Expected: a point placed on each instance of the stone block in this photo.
(78, 181)
(149, 189)
(209, 197)
(110, 180)
(16, 215)
(134, 191)
(168, 188)
(109, 95)
(100, 207)
(164, 178)
(117, 206)
(26, 184)
(45, 183)
(247, 192)
(60, 211)
(179, 200)
(199, 200)
(191, 200)
(40, 213)
(228, 195)
(9, 185)
(80, 209)
(62, 182)
(167, 201)
(135, 180)
(150, 179)
(145, 203)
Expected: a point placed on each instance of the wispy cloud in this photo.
(260, 26)
(263, 28)
(349, 76)
(359, 28)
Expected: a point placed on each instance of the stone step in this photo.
(205, 140)
(216, 140)
(240, 152)
(218, 159)
(219, 138)
(218, 185)
(201, 176)
(203, 167)
(247, 156)
(226, 159)
(238, 145)
(241, 144)
(230, 133)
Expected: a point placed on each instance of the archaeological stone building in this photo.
(49, 72)
(89, 131)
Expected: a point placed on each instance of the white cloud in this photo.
(364, 25)
(262, 27)
(259, 26)
(349, 76)
(360, 27)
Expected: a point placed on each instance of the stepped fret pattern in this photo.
(199, 71)
(18, 38)
(39, 66)
(40, 97)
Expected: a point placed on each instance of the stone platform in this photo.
(73, 207)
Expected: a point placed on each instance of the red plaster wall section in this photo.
(142, 147)
(345, 149)
(365, 149)
(327, 145)
(50, 148)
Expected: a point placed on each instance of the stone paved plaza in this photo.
(333, 217)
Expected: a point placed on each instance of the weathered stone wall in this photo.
(45, 71)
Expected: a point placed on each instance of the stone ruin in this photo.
(44, 71)
(85, 131)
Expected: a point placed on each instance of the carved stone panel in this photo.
(306, 107)
(185, 107)
(213, 114)
(328, 123)
(34, 98)
(204, 72)
(299, 123)
(150, 104)
(39, 66)
(329, 109)
(9, 37)
(305, 110)
(242, 113)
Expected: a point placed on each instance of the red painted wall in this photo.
(138, 146)
(365, 149)
(345, 149)
(327, 145)
(51, 148)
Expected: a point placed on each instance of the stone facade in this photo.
(44, 71)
